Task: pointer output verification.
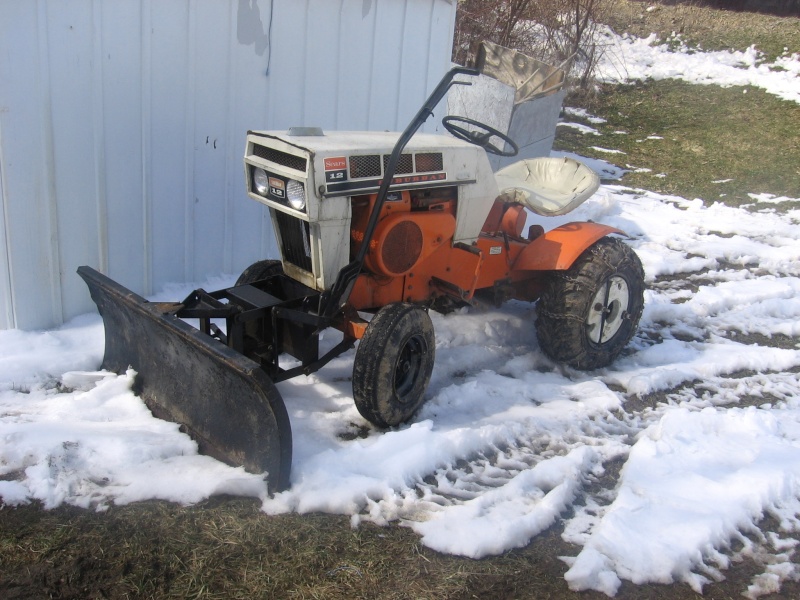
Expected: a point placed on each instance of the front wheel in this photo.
(260, 270)
(588, 314)
(393, 364)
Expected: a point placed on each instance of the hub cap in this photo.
(608, 311)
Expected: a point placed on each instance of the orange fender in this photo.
(557, 249)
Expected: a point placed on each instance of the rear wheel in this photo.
(393, 364)
(260, 270)
(589, 313)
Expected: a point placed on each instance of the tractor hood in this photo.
(346, 163)
(357, 141)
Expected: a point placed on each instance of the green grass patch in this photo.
(718, 144)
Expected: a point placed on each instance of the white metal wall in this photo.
(122, 126)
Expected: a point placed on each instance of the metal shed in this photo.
(122, 127)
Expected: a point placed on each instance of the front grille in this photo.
(298, 163)
(368, 165)
(428, 162)
(295, 240)
(404, 165)
(374, 165)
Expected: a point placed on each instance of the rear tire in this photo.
(260, 270)
(393, 364)
(589, 313)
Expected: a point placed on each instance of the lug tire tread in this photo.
(375, 361)
(563, 307)
(260, 270)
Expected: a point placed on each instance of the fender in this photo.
(557, 249)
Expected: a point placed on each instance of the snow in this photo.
(721, 470)
(627, 58)
(606, 150)
(582, 113)
(580, 127)
(702, 409)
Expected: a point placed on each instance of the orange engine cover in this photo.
(402, 240)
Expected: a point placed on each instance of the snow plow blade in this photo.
(229, 406)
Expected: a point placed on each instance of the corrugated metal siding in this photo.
(122, 127)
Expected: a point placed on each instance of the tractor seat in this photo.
(547, 186)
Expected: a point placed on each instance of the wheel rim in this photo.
(608, 310)
(409, 365)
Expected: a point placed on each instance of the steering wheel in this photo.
(480, 137)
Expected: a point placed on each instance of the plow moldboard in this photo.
(223, 399)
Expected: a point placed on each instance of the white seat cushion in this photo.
(547, 186)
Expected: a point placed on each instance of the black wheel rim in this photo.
(409, 366)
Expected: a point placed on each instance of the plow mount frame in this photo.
(265, 319)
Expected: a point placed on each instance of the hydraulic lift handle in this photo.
(340, 292)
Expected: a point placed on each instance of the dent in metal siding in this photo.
(122, 127)
(6, 291)
(387, 63)
(356, 57)
(97, 138)
(322, 65)
(70, 48)
(211, 65)
(118, 34)
(146, 120)
(39, 232)
(170, 106)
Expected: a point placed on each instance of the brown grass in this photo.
(226, 548)
(704, 26)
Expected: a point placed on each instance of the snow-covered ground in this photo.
(628, 58)
(702, 410)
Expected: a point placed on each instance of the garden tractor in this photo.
(374, 230)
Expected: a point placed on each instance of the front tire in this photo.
(393, 364)
(589, 313)
(260, 270)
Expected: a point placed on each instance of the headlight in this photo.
(261, 181)
(296, 195)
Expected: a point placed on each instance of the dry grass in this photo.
(226, 548)
(709, 28)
